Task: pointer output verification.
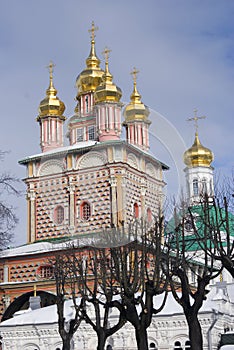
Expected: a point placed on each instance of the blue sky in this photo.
(183, 49)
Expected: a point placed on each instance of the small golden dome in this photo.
(136, 110)
(91, 76)
(51, 105)
(107, 91)
(198, 155)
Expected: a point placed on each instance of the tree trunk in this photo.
(101, 340)
(67, 343)
(195, 332)
(141, 338)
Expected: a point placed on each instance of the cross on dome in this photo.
(195, 119)
(93, 30)
(50, 67)
(106, 54)
(134, 74)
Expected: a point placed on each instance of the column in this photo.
(143, 192)
(31, 197)
(113, 183)
(71, 189)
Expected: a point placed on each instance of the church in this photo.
(99, 181)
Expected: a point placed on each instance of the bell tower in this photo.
(136, 118)
(198, 171)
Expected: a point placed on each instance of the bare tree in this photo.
(97, 288)
(8, 219)
(190, 268)
(66, 288)
(217, 217)
(138, 276)
(83, 275)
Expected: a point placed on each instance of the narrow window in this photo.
(195, 187)
(91, 132)
(136, 210)
(79, 134)
(1, 275)
(59, 215)
(152, 346)
(86, 104)
(204, 186)
(85, 211)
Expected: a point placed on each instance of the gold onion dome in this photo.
(198, 155)
(107, 91)
(51, 105)
(90, 78)
(136, 110)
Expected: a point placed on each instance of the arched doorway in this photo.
(22, 303)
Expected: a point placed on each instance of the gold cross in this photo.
(134, 74)
(93, 30)
(195, 119)
(50, 67)
(106, 54)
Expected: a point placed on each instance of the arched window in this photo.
(136, 210)
(187, 345)
(85, 211)
(59, 214)
(149, 215)
(177, 346)
(195, 187)
(152, 346)
(109, 347)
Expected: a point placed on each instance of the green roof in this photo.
(209, 221)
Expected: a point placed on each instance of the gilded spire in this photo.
(107, 76)
(51, 105)
(135, 96)
(136, 110)
(51, 91)
(93, 61)
(107, 91)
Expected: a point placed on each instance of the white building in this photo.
(38, 329)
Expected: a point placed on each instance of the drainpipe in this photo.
(209, 336)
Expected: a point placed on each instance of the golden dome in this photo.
(107, 91)
(136, 110)
(51, 105)
(91, 76)
(198, 155)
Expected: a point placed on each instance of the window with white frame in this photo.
(79, 134)
(91, 132)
